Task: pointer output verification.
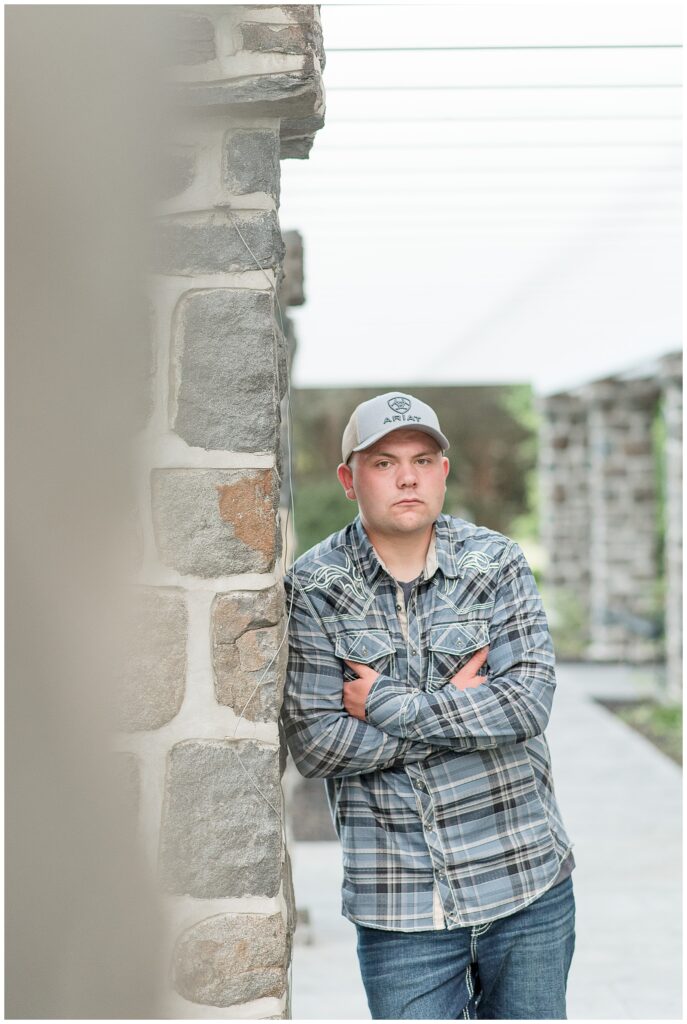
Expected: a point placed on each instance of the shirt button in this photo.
(420, 783)
(398, 607)
(414, 651)
(430, 828)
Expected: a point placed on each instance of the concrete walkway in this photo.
(621, 803)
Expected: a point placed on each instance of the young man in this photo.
(419, 683)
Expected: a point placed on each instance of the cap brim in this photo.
(436, 434)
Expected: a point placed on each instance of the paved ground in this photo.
(621, 803)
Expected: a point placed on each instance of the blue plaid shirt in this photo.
(443, 799)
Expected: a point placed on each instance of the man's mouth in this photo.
(409, 501)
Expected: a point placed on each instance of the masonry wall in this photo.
(200, 702)
(601, 517)
(623, 526)
(563, 467)
(671, 384)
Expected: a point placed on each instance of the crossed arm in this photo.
(511, 705)
(398, 726)
(324, 740)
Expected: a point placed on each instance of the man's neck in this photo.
(404, 555)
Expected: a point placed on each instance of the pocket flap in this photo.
(459, 637)
(364, 645)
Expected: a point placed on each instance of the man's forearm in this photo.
(500, 711)
(335, 744)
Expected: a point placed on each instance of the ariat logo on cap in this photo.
(399, 404)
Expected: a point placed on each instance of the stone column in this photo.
(291, 293)
(623, 510)
(671, 381)
(202, 697)
(564, 495)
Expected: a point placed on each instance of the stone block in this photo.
(138, 375)
(296, 147)
(638, 447)
(292, 94)
(303, 37)
(219, 837)
(283, 746)
(211, 244)
(298, 127)
(289, 898)
(299, 13)
(247, 628)
(153, 680)
(226, 392)
(291, 291)
(250, 161)
(230, 959)
(126, 778)
(193, 38)
(131, 541)
(178, 170)
(216, 522)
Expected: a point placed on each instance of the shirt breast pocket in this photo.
(373, 647)
(450, 646)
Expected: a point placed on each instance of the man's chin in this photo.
(413, 517)
(417, 508)
(398, 520)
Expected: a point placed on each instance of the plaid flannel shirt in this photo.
(443, 799)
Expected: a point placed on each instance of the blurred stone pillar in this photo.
(83, 918)
(623, 512)
(564, 493)
(291, 293)
(671, 383)
(201, 700)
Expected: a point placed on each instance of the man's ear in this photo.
(345, 475)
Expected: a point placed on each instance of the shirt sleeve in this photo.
(512, 704)
(323, 739)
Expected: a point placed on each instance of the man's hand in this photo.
(467, 676)
(355, 691)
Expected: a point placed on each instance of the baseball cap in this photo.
(380, 415)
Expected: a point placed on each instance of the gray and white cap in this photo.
(380, 415)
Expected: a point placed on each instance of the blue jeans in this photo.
(514, 968)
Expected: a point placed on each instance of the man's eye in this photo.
(385, 462)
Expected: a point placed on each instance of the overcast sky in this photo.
(521, 231)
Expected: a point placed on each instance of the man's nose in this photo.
(407, 475)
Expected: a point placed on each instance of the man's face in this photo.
(399, 482)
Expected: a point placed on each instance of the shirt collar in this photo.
(439, 553)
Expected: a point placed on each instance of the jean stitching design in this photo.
(477, 929)
(471, 992)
